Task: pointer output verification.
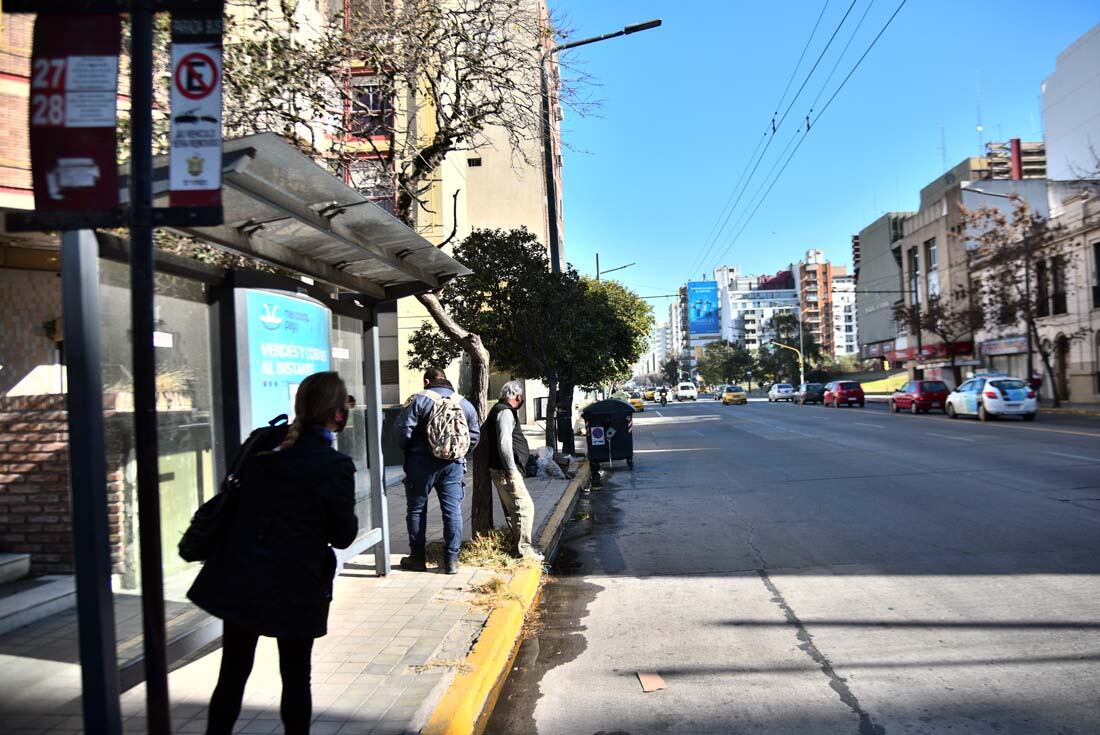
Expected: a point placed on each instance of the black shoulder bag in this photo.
(207, 529)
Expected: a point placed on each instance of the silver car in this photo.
(781, 392)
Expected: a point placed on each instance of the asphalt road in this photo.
(790, 569)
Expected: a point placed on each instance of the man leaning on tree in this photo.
(507, 460)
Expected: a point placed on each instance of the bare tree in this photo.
(1023, 263)
(953, 319)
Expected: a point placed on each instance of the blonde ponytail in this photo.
(292, 434)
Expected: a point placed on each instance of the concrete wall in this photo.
(878, 272)
(1071, 110)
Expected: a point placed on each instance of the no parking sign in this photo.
(195, 158)
(599, 438)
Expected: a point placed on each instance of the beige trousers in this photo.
(518, 505)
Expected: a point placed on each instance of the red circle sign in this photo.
(196, 76)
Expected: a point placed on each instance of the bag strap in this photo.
(246, 448)
(436, 397)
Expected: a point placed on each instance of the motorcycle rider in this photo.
(664, 395)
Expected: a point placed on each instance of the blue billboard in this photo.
(703, 308)
(285, 339)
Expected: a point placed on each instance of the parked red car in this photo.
(844, 393)
(920, 395)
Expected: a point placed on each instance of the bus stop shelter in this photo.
(310, 251)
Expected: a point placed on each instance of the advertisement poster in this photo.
(288, 340)
(195, 153)
(72, 105)
(703, 307)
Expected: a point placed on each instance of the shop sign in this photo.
(1005, 346)
(195, 152)
(73, 102)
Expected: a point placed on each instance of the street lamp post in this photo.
(801, 372)
(609, 270)
(548, 138)
(551, 184)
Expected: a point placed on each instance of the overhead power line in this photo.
(810, 124)
(772, 129)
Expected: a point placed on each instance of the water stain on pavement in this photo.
(587, 547)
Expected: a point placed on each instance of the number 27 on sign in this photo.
(48, 98)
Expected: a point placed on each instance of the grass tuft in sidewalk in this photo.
(492, 593)
(488, 551)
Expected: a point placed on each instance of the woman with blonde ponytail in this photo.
(273, 577)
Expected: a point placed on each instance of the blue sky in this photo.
(684, 106)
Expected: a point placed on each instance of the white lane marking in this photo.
(873, 426)
(954, 437)
(699, 449)
(1073, 456)
(659, 414)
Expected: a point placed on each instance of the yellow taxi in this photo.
(648, 394)
(636, 400)
(734, 394)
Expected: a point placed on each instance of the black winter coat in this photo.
(274, 574)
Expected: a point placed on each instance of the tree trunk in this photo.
(552, 414)
(1044, 355)
(565, 418)
(482, 514)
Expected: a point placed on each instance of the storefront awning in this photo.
(283, 208)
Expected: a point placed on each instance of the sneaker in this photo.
(413, 564)
(450, 567)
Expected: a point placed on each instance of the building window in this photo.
(914, 275)
(473, 162)
(372, 110)
(931, 263)
(1058, 279)
(1096, 275)
(1042, 289)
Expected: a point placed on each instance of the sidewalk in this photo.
(392, 650)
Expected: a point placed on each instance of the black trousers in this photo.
(238, 653)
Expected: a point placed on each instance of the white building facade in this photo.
(748, 304)
(845, 321)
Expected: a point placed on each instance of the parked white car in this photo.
(687, 392)
(781, 392)
(991, 396)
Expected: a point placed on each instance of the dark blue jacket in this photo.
(411, 436)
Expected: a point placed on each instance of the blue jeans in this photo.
(422, 475)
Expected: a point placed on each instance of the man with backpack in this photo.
(437, 428)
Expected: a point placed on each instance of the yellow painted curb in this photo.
(469, 700)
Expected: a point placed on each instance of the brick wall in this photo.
(35, 513)
(28, 299)
(15, 55)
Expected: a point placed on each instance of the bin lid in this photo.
(609, 407)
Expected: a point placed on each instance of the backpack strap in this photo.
(436, 397)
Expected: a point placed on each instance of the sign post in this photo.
(72, 122)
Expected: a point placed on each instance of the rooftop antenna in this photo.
(981, 139)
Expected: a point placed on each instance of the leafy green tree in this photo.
(670, 370)
(560, 328)
(725, 362)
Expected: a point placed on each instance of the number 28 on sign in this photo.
(48, 92)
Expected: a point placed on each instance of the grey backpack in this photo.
(447, 431)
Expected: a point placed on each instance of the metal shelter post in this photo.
(378, 506)
(88, 470)
(145, 369)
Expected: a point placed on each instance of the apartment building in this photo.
(749, 303)
(1071, 109)
(879, 284)
(815, 287)
(845, 321)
